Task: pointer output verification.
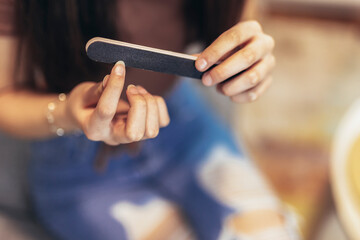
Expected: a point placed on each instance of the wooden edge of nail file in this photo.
(137, 56)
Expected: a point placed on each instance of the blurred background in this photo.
(288, 131)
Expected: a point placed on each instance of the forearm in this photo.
(23, 114)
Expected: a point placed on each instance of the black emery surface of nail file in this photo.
(147, 59)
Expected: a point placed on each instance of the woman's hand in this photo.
(98, 110)
(245, 58)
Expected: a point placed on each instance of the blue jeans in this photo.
(175, 178)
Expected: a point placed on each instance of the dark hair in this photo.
(53, 35)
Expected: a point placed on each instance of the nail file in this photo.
(137, 56)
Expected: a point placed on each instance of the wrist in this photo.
(59, 119)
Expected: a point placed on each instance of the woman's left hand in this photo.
(245, 62)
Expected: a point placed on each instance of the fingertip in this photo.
(201, 64)
(166, 122)
(133, 135)
(132, 89)
(119, 68)
(252, 96)
(207, 79)
(152, 133)
(164, 118)
(121, 63)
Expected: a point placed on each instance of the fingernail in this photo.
(132, 89)
(252, 96)
(119, 68)
(141, 90)
(207, 80)
(201, 64)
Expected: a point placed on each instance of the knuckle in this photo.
(110, 143)
(105, 113)
(215, 52)
(233, 34)
(133, 136)
(152, 133)
(117, 139)
(206, 54)
(130, 136)
(216, 74)
(211, 54)
(249, 55)
(150, 99)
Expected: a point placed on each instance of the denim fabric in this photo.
(73, 200)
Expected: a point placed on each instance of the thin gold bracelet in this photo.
(59, 131)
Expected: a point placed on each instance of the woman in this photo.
(179, 183)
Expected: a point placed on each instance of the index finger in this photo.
(108, 102)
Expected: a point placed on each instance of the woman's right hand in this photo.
(97, 109)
